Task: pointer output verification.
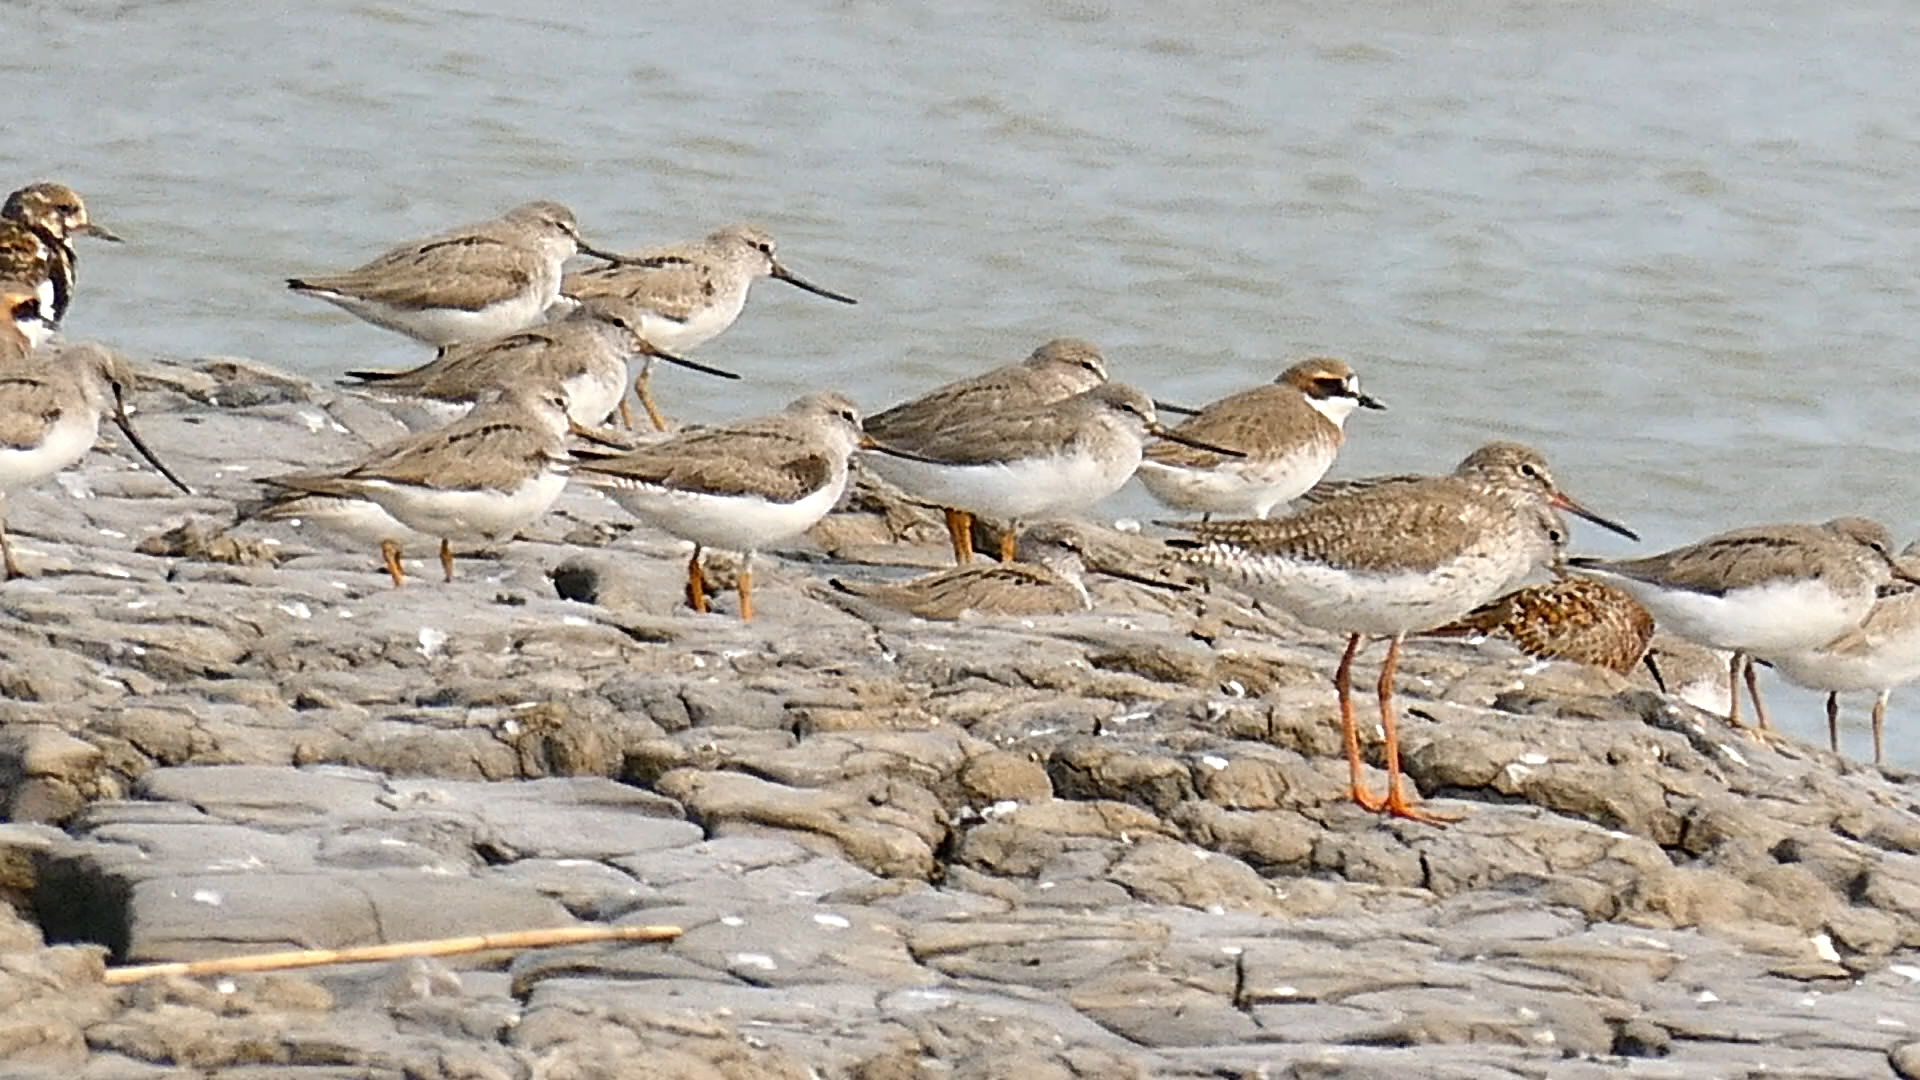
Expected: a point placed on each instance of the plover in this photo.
(1287, 432)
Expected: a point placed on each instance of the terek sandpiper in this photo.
(1880, 654)
(584, 354)
(1058, 369)
(50, 411)
(37, 227)
(1289, 431)
(1024, 464)
(472, 283)
(1761, 591)
(738, 487)
(1577, 619)
(1394, 560)
(484, 477)
(25, 328)
(685, 295)
(1047, 579)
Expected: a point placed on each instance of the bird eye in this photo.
(1529, 470)
(1331, 386)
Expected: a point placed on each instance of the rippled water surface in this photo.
(1672, 245)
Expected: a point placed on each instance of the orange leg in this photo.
(390, 554)
(446, 557)
(1753, 690)
(1733, 688)
(1350, 731)
(1397, 804)
(746, 590)
(960, 531)
(1879, 719)
(696, 584)
(643, 389)
(626, 415)
(1006, 542)
(6, 551)
(1833, 721)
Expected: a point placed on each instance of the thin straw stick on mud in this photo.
(300, 958)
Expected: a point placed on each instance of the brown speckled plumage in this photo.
(1576, 619)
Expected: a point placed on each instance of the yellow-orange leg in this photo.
(1006, 542)
(1350, 730)
(446, 557)
(1753, 691)
(6, 552)
(696, 584)
(745, 584)
(1397, 804)
(1879, 720)
(1733, 688)
(390, 554)
(960, 531)
(643, 389)
(626, 414)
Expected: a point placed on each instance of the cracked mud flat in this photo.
(1110, 844)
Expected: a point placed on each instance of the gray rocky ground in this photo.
(1110, 844)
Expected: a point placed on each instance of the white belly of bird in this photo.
(1026, 489)
(1237, 488)
(1784, 616)
(593, 395)
(729, 522)
(1877, 669)
(362, 521)
(1383, 604)
(704, 324)
(61, 445)
(450, 325)
(482, 514)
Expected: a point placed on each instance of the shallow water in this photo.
(1672, 247)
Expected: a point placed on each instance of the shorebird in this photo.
(1288, 432)
(585, 354)
(685, 295)
(1058, 369)
(1761, 591)
(1577, 619)
(682, 296)
(50, 411)
(25, 327)
(1693, 673)
(1394, 560)
(1040, 461)
(739, 487)
(1049, 578)
(37, 227)
(484, 477)
(471, 283)
(1880, 654)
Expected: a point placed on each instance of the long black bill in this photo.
(1173, 436)
(595, 253)
(799, 282)
(126, 425)
(1177, 410)
(868, 442)
(1560, 501)
(690, 365)
(99, 232)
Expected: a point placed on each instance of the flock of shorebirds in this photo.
(533, 359)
